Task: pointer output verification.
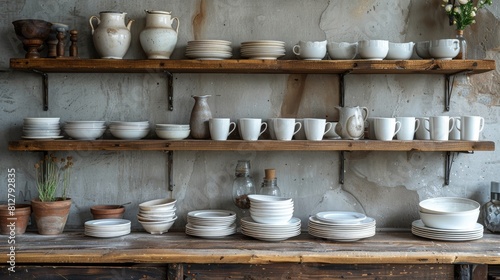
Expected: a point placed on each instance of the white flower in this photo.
(472, 14)
(456, 10)
(448, 7)
(473, 21)
(463, 2)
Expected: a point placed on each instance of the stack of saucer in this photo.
(270, 232)
(262, 49)
(107, 227)
(41, 128)
(211, 223)
(209, 49)
(341, 226)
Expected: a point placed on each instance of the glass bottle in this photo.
(243, 184)
(462, 43)
(491, 210)
(270, 184)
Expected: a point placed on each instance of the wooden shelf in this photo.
(260, 145)
(67, 65)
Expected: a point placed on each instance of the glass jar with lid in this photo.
(270, 184)
(491, 210)
(242, 185)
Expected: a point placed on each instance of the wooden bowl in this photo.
(107, 211)
(32, 33)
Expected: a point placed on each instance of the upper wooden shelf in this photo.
(260, 145)
(68, 65)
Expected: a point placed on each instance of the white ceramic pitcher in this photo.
(111, 36)
(351, 123)
(158, 39)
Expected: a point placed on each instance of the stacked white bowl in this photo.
(271, 218)
(41, 128)
(449, 212)
(85, 130)
(209, 49)
(211, 223)
(129, 130)
(157, 216)
(173, 131)
(448, 218)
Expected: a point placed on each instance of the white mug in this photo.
(386, 128)
(409, 125)
(440, 127)
(422, 132)
(285, 128)
(455, 132)
(270, 128)
(316, 128)
(470, 127)
(310, 50)
(370, 128)
(220, 128)
(301, 134)
(251, 129)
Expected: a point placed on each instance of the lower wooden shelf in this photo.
(260, 145)
(386, 247)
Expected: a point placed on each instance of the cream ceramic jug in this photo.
(111, 36)
(351, 123)
(158, 38)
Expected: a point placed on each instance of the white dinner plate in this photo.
(341, 217)
(42, 137)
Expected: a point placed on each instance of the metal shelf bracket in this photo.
(342, 167)
(45, 84)
(170, 168)
(448, 162)
(449, 81)
(170, 90)
(342, 88)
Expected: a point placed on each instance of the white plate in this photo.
(107, 234)
(368, 222)
(419, 224)
(249, 221)
(42, 137)
(107, 222)
(341, 217)
(212, 214)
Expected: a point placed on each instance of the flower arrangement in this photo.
(51, 173)
(463, 14)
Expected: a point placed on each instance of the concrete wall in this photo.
(384, 185)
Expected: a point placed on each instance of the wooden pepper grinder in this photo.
(60, 43)
(73, 49)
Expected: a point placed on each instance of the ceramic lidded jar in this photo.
(111, 36)
(158, 39)
(200, 115)
(351, 124)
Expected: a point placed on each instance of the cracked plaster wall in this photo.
(384, 185)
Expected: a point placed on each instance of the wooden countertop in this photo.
(177, 247)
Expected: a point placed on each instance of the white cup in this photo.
(310, 50)
(386, 128)
(332, 134)
(270, 128)
(470, 127)
(370, 128)
(409, 125)
(422, 132)
(301, 134)
(285, 128)
(455, 132)
(251, 129)
(220, 128)
(316, 128)
(440, 127)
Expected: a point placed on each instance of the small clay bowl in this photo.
(107, 211)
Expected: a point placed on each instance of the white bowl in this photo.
(158, 227)
(465, 220)
(277, 220)
(448, 205)
(129, 134)
(167, 203)
(41, 126)
(445, 49)
(86, 124)
(157, 212)
(139, 123)
(269, 198)
(41, 132)
(422, 49)
(400, 51)
(35, 121)
(342, 50)
(172, 127)
(85, 134)
(373, 49)
(173, 134)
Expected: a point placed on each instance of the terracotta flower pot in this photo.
(51, 216)
(107, 211)
(18, 217)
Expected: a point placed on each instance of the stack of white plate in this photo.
(85, 130)
(268, 209)
(420, 229)
(262, 49)
(41, 128)
(209, 49)
(270, 232)
(211, 223)
(341, 226)
(129, 130)
(173, 131)
(157, 216)
(107, 227)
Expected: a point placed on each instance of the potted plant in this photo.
(51, 211)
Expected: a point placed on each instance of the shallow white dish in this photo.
(450, 221)
(129, 134)
(419, 229)
(163, 204)
(275, 200)
(448, 205)
(341, 217)
(158, 227)
(172, 134)
(41, 137)
(85, 133)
